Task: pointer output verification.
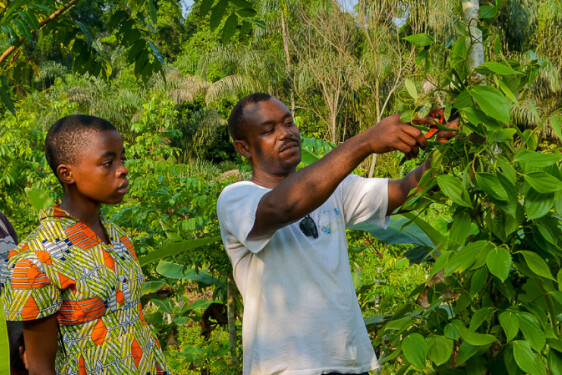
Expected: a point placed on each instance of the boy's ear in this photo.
(64, 173)
(242, 148)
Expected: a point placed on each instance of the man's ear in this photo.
(243, 148)
(64, 173)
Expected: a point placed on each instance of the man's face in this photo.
(272, 139)
(99, 173)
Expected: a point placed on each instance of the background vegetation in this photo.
(469, 282)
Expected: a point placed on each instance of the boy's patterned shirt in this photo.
(64, 268)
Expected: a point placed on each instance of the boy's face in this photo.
(99, 173)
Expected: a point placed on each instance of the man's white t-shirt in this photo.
(301, 314)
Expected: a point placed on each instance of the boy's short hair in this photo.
(236, 119)
(69, 135)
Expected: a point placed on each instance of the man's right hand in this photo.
(391, 134)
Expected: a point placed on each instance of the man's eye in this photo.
(107, 163)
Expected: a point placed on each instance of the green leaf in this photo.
(153, 15)
(487, 11)
(527, 360)
(490, 184)
(492, 102)
(247, 13)
(229, 28)
(439, 349)
(38, 198)
(555, 362)
(496, 67)
(178, 271)
(411, 88)
(479, 317)
(559, 278)
(205, 7)
(420, 40)
(156, 52)
(507, 91)
(429, 229)
(452, 332)
(498, 261)
(502, 135)
(217, 14)
(537, 205)
(538, 159)
(241, 3)
(7, 101)
(165, 305)
(415, 349)
(475, 338)
(175, 249)
(466, 351)
(463, 101)
(152, 286)
(512, 201)
(537, 264)
(465, 258)
(478, 281)
(532, 330)
(460, 229)
(555, 122)
(510, 324)
(543, 182)
(400, 230)
(453, 189)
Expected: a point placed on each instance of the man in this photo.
(284, 231)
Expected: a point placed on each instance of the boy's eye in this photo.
(107, 163)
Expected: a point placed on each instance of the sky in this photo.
(347, 5)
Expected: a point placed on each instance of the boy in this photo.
(75, 282)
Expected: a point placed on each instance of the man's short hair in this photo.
(236, 119)
(69, 135)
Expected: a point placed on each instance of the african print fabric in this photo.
(64, 268)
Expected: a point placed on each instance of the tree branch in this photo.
(48, 19)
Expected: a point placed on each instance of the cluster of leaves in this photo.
(241, 16)
(494, 294)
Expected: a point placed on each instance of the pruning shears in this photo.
(439, 116)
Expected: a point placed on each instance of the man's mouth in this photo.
(288, 146)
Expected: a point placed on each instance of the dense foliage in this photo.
(468, 282)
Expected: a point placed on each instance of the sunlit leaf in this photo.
(537, 264)
(510, 324)
(492, 102)
(415, 349)
(498, 261)
(420, 40)
(439, 349)
(527, 360)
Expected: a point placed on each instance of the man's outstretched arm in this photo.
(305, 190)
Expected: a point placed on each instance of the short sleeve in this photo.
(236, 210)
(364, 200)
(28, 293)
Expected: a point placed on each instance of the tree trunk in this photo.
(287, 55)
(475, 47)
(231, 320)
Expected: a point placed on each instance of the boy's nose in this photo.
(123, 171)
